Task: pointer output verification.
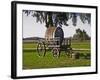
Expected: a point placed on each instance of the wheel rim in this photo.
(56, 52)
(41, 49)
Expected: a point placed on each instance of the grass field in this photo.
(74, 44)
(31, 60)
(82, 45)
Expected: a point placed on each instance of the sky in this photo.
(33, 29)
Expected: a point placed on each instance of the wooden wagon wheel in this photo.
(41, 49)
(56, 52)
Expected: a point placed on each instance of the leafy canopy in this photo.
(54, 19)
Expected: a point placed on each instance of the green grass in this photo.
(74, 44)
(29, 45)
(31, 60)
(80, 45)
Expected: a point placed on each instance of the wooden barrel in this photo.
(53, 32)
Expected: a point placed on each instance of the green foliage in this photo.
(81, 35)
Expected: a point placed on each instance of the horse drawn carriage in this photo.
(54, 41)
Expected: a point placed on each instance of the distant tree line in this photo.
(80, 35)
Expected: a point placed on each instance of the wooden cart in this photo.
(55, 46)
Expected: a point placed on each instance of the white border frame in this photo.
(71, 70)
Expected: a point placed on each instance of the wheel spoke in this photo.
(41, 49)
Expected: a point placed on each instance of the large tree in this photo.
(54, 19)
(81, 35)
